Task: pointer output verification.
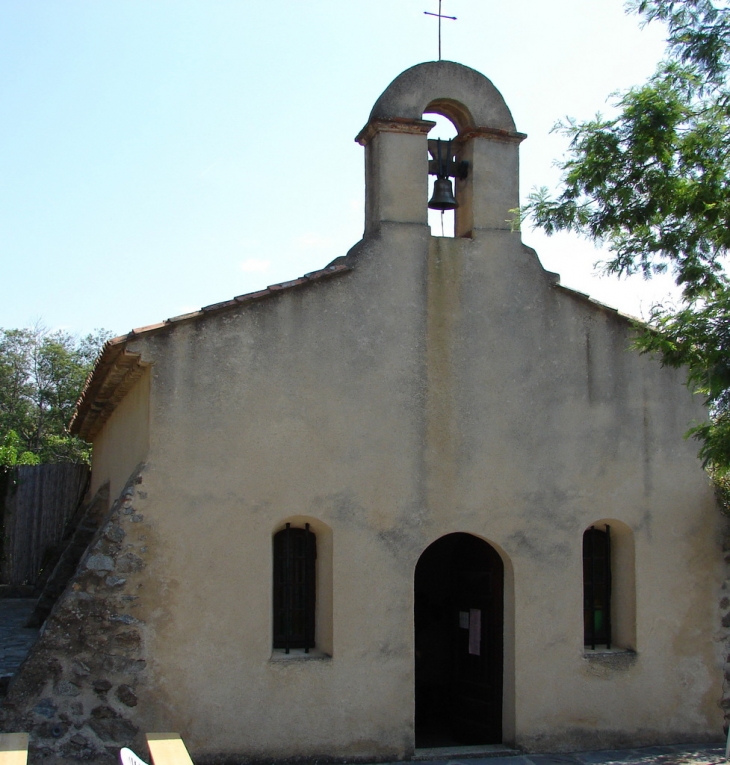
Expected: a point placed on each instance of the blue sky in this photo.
(160, 155)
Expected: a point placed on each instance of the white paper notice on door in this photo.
(475, 631)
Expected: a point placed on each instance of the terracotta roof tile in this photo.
(182, 317)
(115, 341)
(251, 296)
(148, 328)
(219, 306)
(325, 272)
(287, 285)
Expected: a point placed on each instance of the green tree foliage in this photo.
(41, 377)
(12, 453)
(653, 184)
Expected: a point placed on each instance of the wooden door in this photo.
(459, 643)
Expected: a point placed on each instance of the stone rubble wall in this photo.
(77, 690)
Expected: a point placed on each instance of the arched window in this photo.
(295, 553)
(597, 587)
(609, 586)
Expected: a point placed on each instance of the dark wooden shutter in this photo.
(295, 553)
(597, 587)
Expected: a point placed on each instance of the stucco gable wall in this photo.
(442, 385)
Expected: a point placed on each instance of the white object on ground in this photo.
(128, 757)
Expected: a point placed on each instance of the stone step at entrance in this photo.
(428, 754)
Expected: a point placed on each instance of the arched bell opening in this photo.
(454, 111)
(459, 643)
(442, 202)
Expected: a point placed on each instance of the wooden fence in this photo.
(38, 503)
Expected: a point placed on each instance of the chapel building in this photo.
(426, 496)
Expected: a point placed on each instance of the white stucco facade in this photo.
(423, 386)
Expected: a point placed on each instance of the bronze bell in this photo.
(443, 195)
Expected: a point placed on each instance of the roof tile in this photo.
(287, 285)
(218, 306)
(252, 296)
(182, 317)
(140, 330)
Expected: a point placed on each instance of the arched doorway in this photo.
(459, 625)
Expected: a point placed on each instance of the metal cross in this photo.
(440, 16)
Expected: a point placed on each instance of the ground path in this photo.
(15, 638)
(686, 754)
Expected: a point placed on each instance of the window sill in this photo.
(613, 658)
(298, 654)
